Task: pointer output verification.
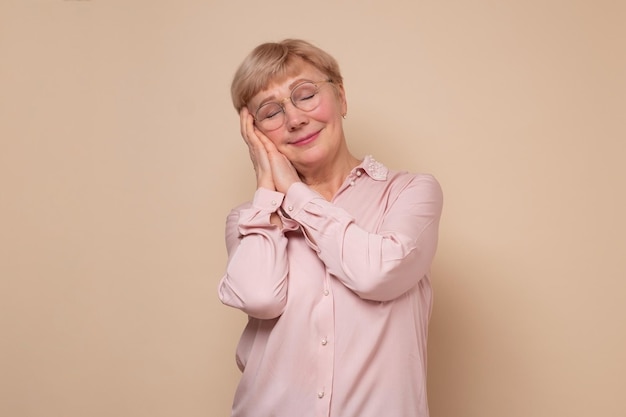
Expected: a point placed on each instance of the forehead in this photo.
(281, 86)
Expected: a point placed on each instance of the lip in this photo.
(305, 140)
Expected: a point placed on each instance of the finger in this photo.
(249, 130)
(252, 135)
(244, 126)
(244, 123)
(265, 141)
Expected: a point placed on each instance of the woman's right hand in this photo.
(258, 153)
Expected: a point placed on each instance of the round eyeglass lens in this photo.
(270, 116)
(304, 96)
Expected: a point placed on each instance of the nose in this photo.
(294, 117)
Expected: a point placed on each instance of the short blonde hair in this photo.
(273, 61)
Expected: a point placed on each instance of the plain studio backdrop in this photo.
(120, 156)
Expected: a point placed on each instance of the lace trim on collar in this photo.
(374, 169)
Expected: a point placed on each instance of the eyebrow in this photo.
(291, 86)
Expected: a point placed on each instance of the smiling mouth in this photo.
(305, 140)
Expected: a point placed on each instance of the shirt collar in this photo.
(374, 169)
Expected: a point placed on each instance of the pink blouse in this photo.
(338, 300)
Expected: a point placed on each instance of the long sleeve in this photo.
(256, 274)
(381, 264)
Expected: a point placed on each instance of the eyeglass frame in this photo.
(290, 98)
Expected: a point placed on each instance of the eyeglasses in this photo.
(304, 96)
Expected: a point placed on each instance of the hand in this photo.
(283, 172)
(256, 148)
(273, 169)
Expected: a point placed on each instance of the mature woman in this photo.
(330, 260)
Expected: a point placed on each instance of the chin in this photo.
(310, 157)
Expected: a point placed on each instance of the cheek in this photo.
(275, 136)
(327, 113)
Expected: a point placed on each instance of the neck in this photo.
(326, 179)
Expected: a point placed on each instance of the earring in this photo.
(344, 115)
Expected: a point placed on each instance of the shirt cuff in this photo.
(267, 200)
(298, 195)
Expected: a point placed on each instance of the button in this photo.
(326, 292)
(290, 208)
(359, 173)
(274, 202)
(320, 394)
(352, 183)
(324, 342)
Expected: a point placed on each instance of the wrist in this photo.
(268, 184)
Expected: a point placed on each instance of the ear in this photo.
(343, 102)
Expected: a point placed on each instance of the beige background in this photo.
(120, 157)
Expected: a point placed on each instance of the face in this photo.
(305, 137)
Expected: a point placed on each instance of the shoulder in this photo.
(399, 181)
(405, 178)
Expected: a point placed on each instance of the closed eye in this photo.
(269, 111)
(272, 114)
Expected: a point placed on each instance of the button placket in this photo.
(353, 177)
(325, 351)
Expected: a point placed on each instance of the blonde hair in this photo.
(273, 61)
